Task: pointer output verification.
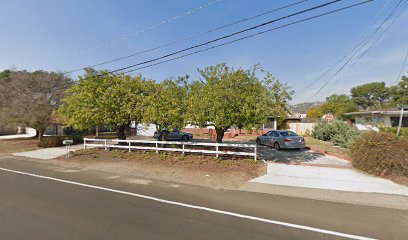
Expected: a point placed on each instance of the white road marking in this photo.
(297, 226)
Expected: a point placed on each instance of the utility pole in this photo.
(400, 120)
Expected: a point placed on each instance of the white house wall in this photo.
(146, 129)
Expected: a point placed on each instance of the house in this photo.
(388, 118)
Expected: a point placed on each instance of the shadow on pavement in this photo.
(287, 155)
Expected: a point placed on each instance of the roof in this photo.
(377, 112)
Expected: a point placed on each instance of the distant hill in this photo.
(304, 107)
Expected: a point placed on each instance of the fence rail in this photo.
(158, 146)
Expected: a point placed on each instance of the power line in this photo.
(189, 37)
(253, 35)
(340, 60)
(147, 29)
(372, 45)
(402, 67)
(223, 37)
(242, 38)
(391, 14)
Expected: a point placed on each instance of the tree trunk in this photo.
(39, 134)
(96, 131)
(220, 134)
(121, 132)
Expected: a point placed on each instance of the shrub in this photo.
(380, 154)
(403, 132)
(338, 132)
(323, 131)
(56, 141)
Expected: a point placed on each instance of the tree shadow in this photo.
(287, 155)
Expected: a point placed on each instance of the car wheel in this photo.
(184, 138)
(258, 141)
(276, 146)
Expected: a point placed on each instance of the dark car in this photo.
(281, 139)
(173, 135)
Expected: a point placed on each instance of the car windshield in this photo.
(288, 134)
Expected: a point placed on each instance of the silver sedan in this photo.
(281, 139)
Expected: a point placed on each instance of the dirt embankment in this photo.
(17, 145)
(221, 173)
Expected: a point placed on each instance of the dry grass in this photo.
(17, 145)
(190, 161)
(203, 170)
(327, 147)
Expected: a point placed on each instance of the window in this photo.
(288, 134)
(395, 121)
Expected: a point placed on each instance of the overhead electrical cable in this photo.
(147, 29)
(366, 41)
(188, 37)
(224, 37)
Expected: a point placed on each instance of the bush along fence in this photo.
(183, 147)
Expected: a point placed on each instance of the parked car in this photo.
(173, 135)
(281, 139)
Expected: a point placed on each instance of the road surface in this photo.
(42, 206)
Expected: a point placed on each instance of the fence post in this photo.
(255, 151)
(157, 146)
(183, 148)
(84, 143)
(216, 149)
(106, 148)
(129, 146)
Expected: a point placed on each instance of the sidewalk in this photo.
(340, 179)
(48, 153)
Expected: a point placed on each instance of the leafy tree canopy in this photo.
(400, 92)
(226, 97)
(104, 100)
(166, 103)
(371, 95)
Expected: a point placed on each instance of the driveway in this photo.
(300, 156)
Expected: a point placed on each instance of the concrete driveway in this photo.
(300, 156)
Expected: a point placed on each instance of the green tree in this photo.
(371, 95)
(315, 112)
(334, 104)
(166, 104)
(31, 98)
(400, 92)
(226, 97)
(104, 100)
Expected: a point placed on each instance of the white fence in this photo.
(159, 146)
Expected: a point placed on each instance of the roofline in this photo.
(394, 112)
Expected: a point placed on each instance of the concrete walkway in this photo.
(48, 153)
(328, 178)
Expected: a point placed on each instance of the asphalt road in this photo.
(38, 208)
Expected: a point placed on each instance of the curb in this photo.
(314, 165)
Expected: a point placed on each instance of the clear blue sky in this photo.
(50, 35)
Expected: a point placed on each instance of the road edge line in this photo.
(291, 225)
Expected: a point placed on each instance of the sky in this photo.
(56, 35)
